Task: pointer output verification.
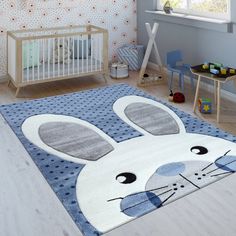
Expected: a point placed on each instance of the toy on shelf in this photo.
(216, 69)
(167, 7)
(205, 66)
(232, 71)
(223, 71)
(205, 105)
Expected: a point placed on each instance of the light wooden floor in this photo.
(29, 207)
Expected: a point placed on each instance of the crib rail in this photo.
(56, 31)
(58, 54)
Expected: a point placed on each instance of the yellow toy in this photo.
(223, 71)
(205, 105)
(232, 71)
(205, 66)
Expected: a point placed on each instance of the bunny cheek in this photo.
(227, 163)
(139, 204)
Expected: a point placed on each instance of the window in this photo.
(219, 9)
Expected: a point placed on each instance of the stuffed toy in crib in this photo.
(62, 52)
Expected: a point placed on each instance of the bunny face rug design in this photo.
(123, 181)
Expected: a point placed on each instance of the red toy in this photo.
(179, 97)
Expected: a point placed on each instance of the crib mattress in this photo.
(48, 71)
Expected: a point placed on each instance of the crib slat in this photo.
(91, 56)
(95, 52)
(97, 49)
(100, 50)
(38, 45)
(28, 58)
(68, 58)
(49, 55)
(82, 42)
(78, 64)
(58, 57)
(43, 49)
(73, 55)
(53, 57)
(87, 59)
(32, 57)
(63, 56)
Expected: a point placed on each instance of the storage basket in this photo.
(119, 71)
(131, 55)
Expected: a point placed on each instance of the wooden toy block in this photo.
(205, 66)
(205, 105)
(223, 71)
(214, 71)
(218, 65)
(232, 71)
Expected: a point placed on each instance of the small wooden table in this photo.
(218, 80)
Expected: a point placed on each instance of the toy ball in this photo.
(178, 97)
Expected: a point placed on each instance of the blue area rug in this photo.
(96, 107)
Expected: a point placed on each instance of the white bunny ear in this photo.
(68, 137)
(148, 116)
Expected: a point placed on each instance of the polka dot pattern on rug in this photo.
(94, 106)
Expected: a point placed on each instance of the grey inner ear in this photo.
(152, 119)
(75, 140)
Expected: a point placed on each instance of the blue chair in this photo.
(174, 65)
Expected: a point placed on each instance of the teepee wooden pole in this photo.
(152, 32)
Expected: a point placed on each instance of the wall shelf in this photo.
(193, 21)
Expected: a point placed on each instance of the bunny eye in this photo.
(199, 150)
(126, 178)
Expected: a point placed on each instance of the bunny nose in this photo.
(136, 205)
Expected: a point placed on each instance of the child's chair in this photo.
(172, 59)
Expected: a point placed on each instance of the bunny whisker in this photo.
(207, 167)
(217, 159)
(150, 199)
(168, 198)
(227, 152)
(114, 199)
(164, 192)
(228, 172)
(150, 190)
(189, 181)
(155, 189)
(221, 167)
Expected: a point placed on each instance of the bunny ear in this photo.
(68, 137)
(147, 116)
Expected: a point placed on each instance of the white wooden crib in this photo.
(43, 55)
